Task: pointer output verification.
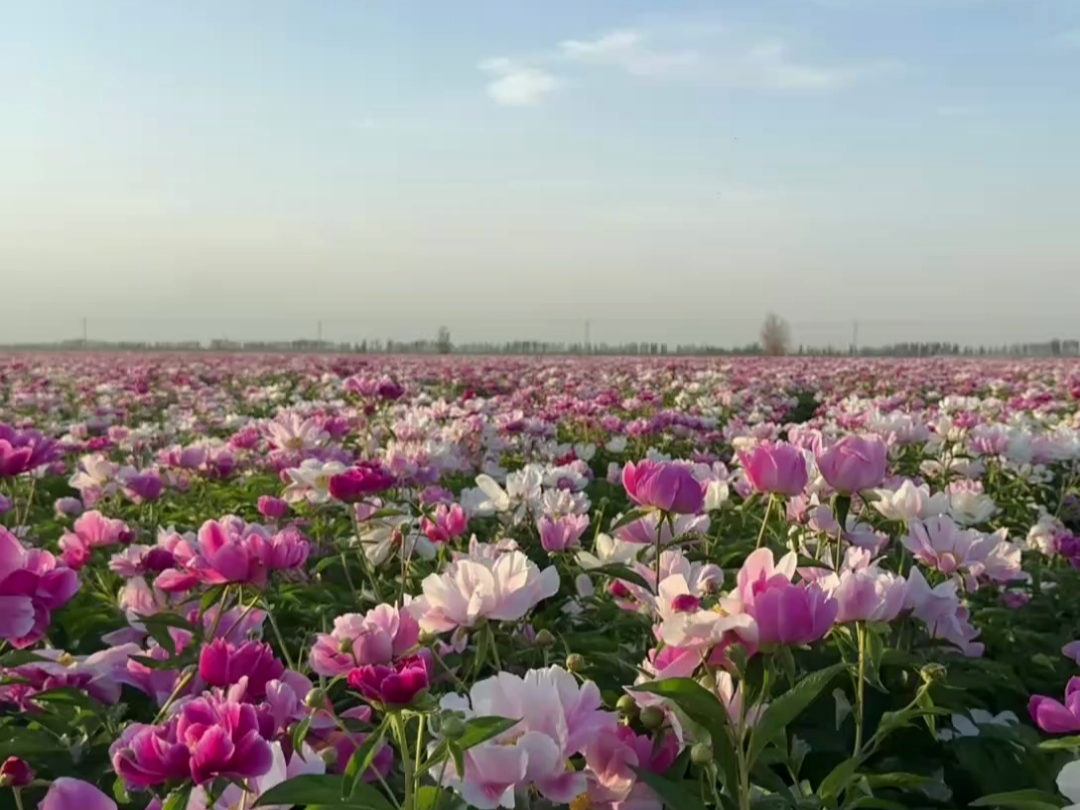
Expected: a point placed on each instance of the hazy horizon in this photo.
(178, 171)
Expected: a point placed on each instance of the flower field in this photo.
(432, 583)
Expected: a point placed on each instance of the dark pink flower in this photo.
(356, 483)
(1055, 717)
(272, 508)
(32, 585)
(663, 485)
(224, 664)
(395, 685)
(145, 755)
(224, 738)
(15, 773)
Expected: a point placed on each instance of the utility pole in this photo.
(588, 343)
(854, 337)
(84, 340)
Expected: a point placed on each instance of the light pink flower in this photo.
(376, 637)
(501, 589)
(558, 718)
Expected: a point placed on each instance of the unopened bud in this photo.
(701, 754)
(453, 728)
(627, 706)
(345, 646)
(652, 717)
(428, 638)
(329, 756)
(575, 662)
(16, 773)
(932, 672)
(316, 699)
(544, 638)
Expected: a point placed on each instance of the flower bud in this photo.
(701, 754)
(15, 773)
(329, 756)
(544, 638)
(575, 662)
(345, 645)
(453, 727)
(316, 699)
(652, 717)
(627, 706)
(427, 638)
(932, 672)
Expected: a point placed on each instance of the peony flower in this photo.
(939, 543)
(356, 483)
(224, 739)
(1055, 717)
(468, 590)
(557, 719)
(272, 508)
(66, 793)
(666, 486)
(222, 663)
(908, 502)
(447, 522)
(563, 533)
(612, 759)
(92, 530)
(376, 637)
(32, 585)
(396, 684)
(854, 463)
(777, 468)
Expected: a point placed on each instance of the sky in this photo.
(668, 171)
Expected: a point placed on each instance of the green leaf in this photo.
(477, 730)
(1061, 744)
(1030, 799)
(617, 571)
(120, 792)
(790, 705)
(676, 795)
(323, 790)
(427, 797)
(299, 734)
(630, 517)
(705, 709)
(178, 800)
(838, 779)
(362, 758)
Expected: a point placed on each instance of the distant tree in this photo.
(443, 343)
(775, 336)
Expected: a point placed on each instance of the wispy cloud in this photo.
(706, 55)
(517, 85)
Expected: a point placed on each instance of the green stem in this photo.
(277, 635)
(400, 732)
(494, 648)
(764, 521)
(18, 798)
(860, 686)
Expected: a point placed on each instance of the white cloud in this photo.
(628, 50)
(663, 53)
(764, 65)
(518, 85)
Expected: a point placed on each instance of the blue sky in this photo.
(671, 170)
